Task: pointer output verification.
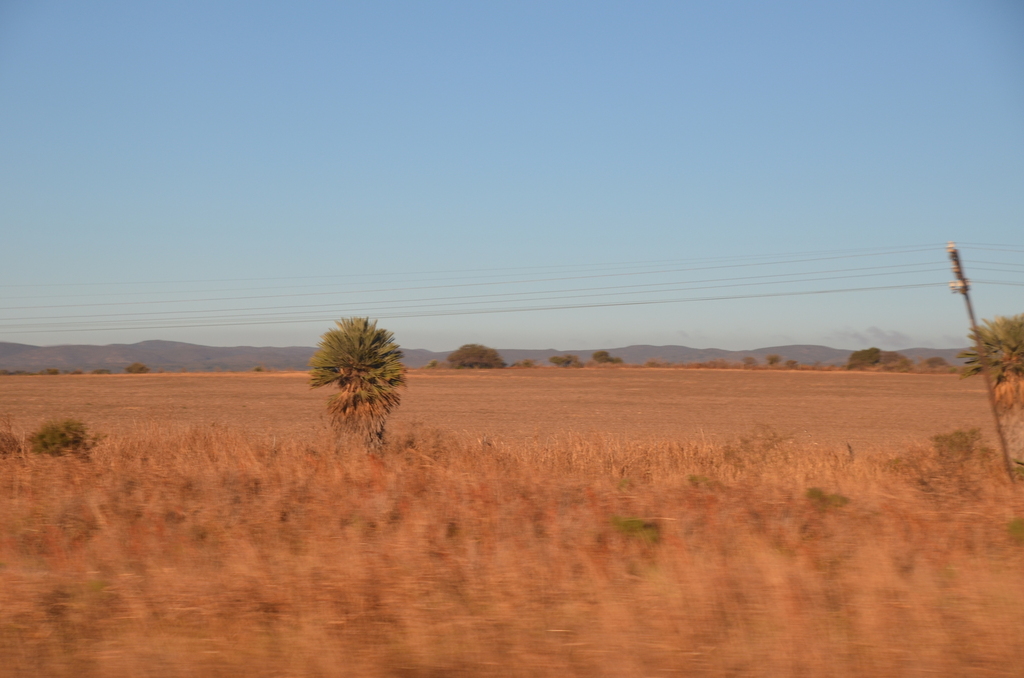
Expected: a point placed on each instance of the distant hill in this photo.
(173, 356)
(164, 355)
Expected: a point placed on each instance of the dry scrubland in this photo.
(225, 547)
(819, 408)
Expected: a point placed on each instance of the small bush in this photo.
(824, 501)
(136, 368)
(764, 445)
(772, 358)
(59, 438)
(935, 362)
(525, 362)
(869, 357)
(792, 364)
(750, 361)
(10, 443)
(603, 357)
(100, 371)
(259, 368)
(431, 365)
(50, 370)
(565, 360)
(638, 528)
(890, 357)
(475, 356)
(703, 481)
(960, 445)
(1016, 529)
(957, 464)
(891, 361)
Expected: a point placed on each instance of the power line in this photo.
(504, 310)
(644, 286)
(426, 287)
(989, 247)
(880, 251)
(512, 301)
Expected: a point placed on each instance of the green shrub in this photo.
(1016, 529)
(565, 360)
(824, 501)
(475, 356)
(59, 438)
(772, 358)
(960, 445)
(638, 528)
(869, 357)
(703, 481)
(891, 361)
(525, 362)
(136, 368)
(604, 357)
(101, 371)
(50, 370)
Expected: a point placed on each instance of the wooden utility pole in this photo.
(962, 285)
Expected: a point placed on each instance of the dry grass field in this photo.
(824, 408)
(518, 523)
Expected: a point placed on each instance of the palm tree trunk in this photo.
(1012, 420)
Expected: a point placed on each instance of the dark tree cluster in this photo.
(475, 356)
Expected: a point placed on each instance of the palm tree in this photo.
(364, 362)
(1003, 340)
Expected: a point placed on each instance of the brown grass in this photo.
(224, 548)
(821, 408)
(205, 551)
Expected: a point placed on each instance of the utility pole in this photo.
(962, 285)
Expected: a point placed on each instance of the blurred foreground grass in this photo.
(213, 552)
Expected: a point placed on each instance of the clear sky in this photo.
(241, 172)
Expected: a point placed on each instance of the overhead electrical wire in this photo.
(403, 304)
(990, 247)
(424, 287)
(551, 296)
(864, 251)
(636, 287)
(511, 310)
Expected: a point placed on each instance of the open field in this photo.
(212, 532)
(824, 408)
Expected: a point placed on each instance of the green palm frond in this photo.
(365, 363)
(1003, 340)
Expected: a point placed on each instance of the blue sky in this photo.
(210, 172)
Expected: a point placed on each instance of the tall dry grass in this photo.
(211, 552)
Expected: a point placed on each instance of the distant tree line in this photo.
(890, 361)
(478, 356)
(134, 368)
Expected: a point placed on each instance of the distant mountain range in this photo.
(173, 356)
